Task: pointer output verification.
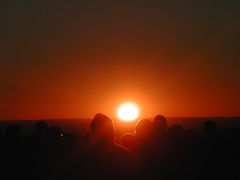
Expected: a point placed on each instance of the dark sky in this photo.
(73, 58)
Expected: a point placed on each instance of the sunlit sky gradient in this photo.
(74, 58)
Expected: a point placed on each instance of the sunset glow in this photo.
(81, 57)
(128, 112)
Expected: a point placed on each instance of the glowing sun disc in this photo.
(128, 112)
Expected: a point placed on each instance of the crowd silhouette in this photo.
(154, 151)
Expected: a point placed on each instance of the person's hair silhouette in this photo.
(144, 130)
(160, 123)
(39, 133)
(102, 129)
(41, 127)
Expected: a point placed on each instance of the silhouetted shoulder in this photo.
(128, 140)
(105, 159)
(123, 153)
(114, 154)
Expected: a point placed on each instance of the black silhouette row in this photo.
(154, 151)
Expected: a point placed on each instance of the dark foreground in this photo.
(155, 151)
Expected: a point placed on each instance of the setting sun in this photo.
(128, 112)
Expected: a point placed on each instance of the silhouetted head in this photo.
(210, 127)
(102, 129)
(41, 127)
(160, 123)
(13, 133)
(128, 140)
(144, 129)
(175, 131)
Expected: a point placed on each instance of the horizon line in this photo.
(77, 118)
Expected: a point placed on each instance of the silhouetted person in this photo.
(175, 143)
(160, 124)
(104, 159)
(128, 140)
(175, 132)
(211, 148)
(102, 130)
(144, 131)
(39, 134)
(13, 159)
(146, 149)
(1, 149)
(41, 126)
(53, 152)
(159, 132)
(13, 134)
(41, 129)
(1, 138)
(210, 127)
(36, 149)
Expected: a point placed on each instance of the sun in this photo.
(128, 112)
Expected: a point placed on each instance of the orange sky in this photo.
(70, 91)
(74, 60)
